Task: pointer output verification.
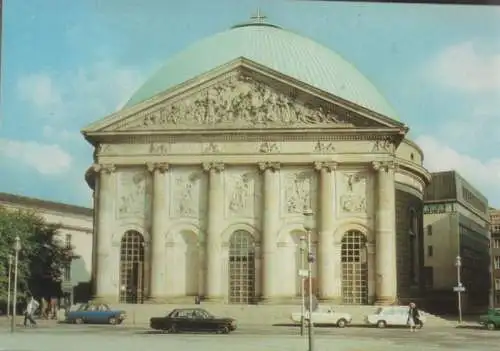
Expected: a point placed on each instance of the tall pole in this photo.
(302, 288)
(459, 285)
(17, 248)
(9, 285)
(310, 260)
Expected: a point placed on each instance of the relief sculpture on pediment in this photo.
(235, 102)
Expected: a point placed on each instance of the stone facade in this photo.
(213, 179)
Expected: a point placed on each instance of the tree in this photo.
(42, 256)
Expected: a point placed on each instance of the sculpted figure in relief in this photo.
(132, 194)
(322, 147)
(235, 102)
(158, 148)
(383, 145)
(354, 197)
(298, 192)
(241, 195)
(186, 202)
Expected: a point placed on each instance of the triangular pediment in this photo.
(241, 97)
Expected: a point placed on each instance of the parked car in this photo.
(491, 319)
(393, 316)
(192, 319)
(324, 316)
(91, 313)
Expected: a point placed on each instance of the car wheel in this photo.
(223, 330)
(172, 329)
(78, 321)
(112, 321)
(381, 324)
(491, 326)
(341, 323)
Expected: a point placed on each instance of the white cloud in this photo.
(466, 67)
(46, 159)
(485, 176)
(84, 94)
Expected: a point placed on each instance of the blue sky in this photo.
(69, 63)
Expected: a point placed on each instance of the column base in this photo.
(386, 300)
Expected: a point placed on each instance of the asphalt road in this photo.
(250, 338)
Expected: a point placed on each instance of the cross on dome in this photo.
(259, 17)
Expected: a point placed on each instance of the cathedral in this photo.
(201, 181)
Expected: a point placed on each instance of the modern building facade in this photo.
(456, 221)
(76, 227)
(495, 255)
(201, 179)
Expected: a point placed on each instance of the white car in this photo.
(392, 316)
(324, 316)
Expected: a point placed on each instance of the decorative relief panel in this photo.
(236, 102)
(123, 149)
(385, 145)
(242, 191)
(353, 192)
(299, 189)
(269, 148)
(188, 185)
(159, 148)
(134, 193)
(323, 147)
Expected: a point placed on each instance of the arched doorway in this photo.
(241, 268)
(354, 269)
(132, 268)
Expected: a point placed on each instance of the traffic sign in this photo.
(459, 288)
(303, 273)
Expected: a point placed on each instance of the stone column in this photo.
(270, 227)
(105, 267)
(215, 210)
(385, 234)
(326, 206)
(158, 231)
(370, 252)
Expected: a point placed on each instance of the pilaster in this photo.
(214, 231)
(270, 227)
(385, 228)
(158, 231)
(326, 260)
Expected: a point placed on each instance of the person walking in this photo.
(31, 308)
(413, 317)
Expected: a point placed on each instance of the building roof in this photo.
(281, 50)
(11, 199)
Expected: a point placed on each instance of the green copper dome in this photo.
(271, 46)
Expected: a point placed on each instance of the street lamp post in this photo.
(302, 288)
(9, 285)
(309, 226)
(17, 248)
(458, 264)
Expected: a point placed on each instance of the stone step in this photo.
(252, 314)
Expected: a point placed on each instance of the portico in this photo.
(200, 191)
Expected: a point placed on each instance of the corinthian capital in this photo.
(272, 166)
(327, 165)
(160, 167)
(106, 168)
(213, 166)
(385, 166)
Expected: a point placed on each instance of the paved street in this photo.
(58, 337)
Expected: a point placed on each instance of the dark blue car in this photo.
(92, 313)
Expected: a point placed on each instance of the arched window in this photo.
(354, 269)
(132, 268)
(241, 268)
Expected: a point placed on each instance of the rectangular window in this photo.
(496, 243)
(68, 241)
(496, 262)
(430, 251)
(429, 230)
(497, 284)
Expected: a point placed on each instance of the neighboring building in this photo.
(76, 230)
(456, 223)
(201, 180)
(495, 254)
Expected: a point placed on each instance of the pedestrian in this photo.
(31, 308)
(413, 317)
